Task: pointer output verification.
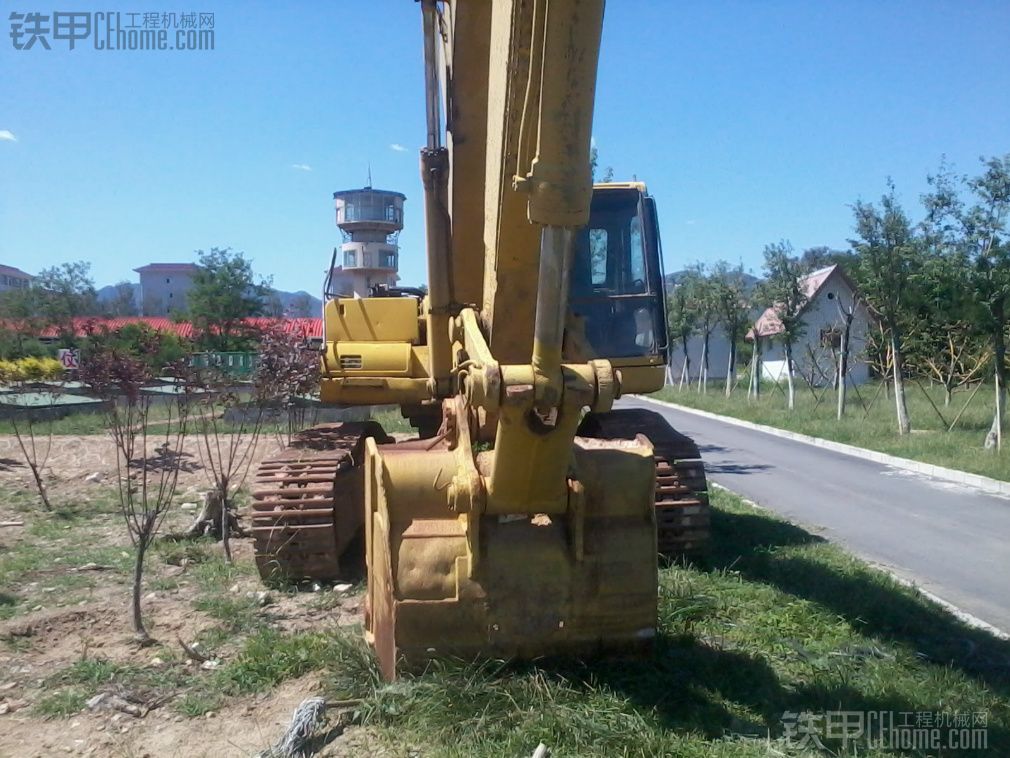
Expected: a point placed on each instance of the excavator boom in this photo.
(527, 524)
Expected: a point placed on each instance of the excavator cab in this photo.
(616, 299)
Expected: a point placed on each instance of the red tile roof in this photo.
(768, 323)
(302, 327)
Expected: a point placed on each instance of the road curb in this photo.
(983, 483)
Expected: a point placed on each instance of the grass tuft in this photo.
(775, 619)
(61, 704)
(930, 442)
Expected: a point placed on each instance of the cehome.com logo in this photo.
(112, 30)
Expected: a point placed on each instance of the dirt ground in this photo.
(68, 608)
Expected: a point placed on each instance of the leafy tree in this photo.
(683, 319)
(823, 256)
(149, 455)
(889, 257)
(225, 292)
(977, 230)
(123, 302)
(594, 165)
(57, 296)
(702, 296)
(729, 290)
(783, 288)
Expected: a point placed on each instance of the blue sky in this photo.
(750, 121)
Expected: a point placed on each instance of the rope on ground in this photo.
(308, 716)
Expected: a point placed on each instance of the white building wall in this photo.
(163, 293)
(808, 351)
(718, 356)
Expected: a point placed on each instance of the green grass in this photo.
(61, 704)
(929, 442)
(392, 421)
(775, 620)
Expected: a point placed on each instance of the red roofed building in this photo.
(301, 328)
(830, 293)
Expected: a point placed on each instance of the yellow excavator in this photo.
(527, 516)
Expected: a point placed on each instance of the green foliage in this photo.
(889, 257)
(61, 704)
(269, 657)
(123, 302)
(225, 292)
(782, 288)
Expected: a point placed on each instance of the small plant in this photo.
(61, 703)
(33, 424)
(287, 372)
(148, 458)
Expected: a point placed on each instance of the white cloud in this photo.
(592, 141)
(7, 136)
(691, 221)
(396, 146)
(301, 166)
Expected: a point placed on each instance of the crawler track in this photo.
(682, 509)
(307, 502)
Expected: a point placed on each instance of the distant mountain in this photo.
(109, 292)
(298, 304)
(749, 280)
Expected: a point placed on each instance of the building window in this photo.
(350, 258)
(167, 280)
(389, 260)
(169, 295)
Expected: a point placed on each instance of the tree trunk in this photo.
(138, 578)
(225, 522)
(702, 378)
(904, 425)
(789, 375)
(731, 368)
(843, 367)
(685, 373)
(947, 394)
(994, 438)
(40, 485)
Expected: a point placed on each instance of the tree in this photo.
(33, 425)
(823, 256)
(225, 292)
(61, 293)
(594, 161)
(683, 319)
(888, 260)
(978, 231)
(729, 291)
(123, 302)
(148, 455)
(783, 288)
(702, 296)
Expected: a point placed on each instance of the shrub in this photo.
(30, 369)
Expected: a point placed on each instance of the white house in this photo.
(164, 287)
(12, 278)
(831, 296)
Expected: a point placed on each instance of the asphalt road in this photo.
(951, 540)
